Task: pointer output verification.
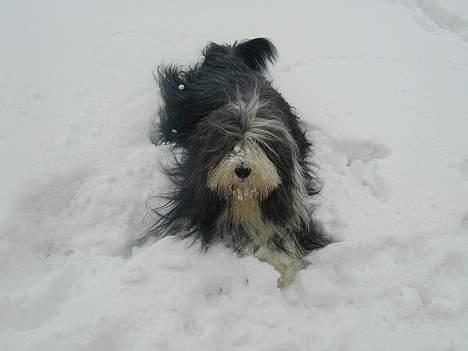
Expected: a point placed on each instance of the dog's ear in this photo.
(173, 127)
(256, 53)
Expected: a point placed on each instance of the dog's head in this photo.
(245, 149)
(240, 141)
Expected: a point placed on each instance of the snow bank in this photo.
(382, 85)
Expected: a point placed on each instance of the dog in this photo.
(241, 170)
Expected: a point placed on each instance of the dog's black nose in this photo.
(242, 172)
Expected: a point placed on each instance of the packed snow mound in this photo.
(382, 87)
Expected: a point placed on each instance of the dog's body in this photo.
(241, 173)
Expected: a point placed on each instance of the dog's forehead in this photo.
(242, 148)
(237, 118)
(241, 152)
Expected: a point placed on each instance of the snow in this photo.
(383, 87)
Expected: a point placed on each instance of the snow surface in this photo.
(383, 86)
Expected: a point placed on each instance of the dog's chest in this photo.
(248, 214)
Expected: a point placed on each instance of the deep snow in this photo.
(383, 86)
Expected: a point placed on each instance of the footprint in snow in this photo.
(364, 151)
(433, 15)
(463, 168)
(361, 161)
(464, 221)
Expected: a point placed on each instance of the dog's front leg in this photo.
(286, 265)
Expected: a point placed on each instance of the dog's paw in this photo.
(288, 275)
(285, 280)
(281, 283)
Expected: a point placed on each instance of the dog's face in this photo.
(244, 150)
(245, 173)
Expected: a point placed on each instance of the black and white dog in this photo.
(241, 171)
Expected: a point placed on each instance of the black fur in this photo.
(197, 120)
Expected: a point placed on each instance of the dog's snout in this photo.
(242, 172)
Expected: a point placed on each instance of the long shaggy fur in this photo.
(223, 117)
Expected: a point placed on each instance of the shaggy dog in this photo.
(241, 170)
